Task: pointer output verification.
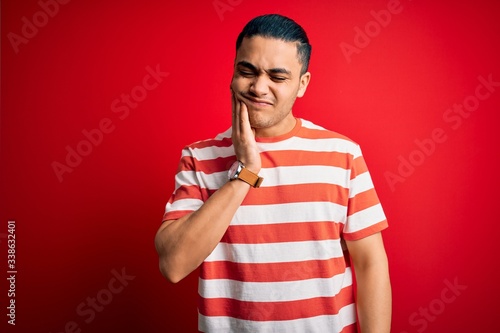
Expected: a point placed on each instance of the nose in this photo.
(259, 86)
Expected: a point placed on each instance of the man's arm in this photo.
(374, 301)
(183, 244)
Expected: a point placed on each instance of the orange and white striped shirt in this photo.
(282, 265)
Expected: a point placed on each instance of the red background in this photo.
(102, 216)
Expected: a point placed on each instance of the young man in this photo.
(276, 208)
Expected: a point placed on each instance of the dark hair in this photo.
(279, 27)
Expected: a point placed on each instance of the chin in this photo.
(258, 121)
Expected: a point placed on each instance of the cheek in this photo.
(283, 96)
(237, 84)
(289, 94)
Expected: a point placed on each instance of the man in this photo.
(276, 208)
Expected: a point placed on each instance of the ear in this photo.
(304, 82)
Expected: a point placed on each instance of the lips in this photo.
(258, 102)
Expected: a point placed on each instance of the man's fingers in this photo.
(236, 114)
(245, 123)
(241, 120)
(244, 120)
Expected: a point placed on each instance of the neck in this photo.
(283, 127)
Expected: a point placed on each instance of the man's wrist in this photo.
(239, 171)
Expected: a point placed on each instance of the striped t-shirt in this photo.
(282, 265)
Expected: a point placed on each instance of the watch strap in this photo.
(249, 177)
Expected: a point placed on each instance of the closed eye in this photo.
(246, 73)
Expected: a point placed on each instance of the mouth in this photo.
(260, 103)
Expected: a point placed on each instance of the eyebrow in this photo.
(272, 70)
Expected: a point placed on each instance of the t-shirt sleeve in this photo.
(187, 195)
(365, 215)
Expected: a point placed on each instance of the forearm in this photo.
(183, 244)
(374, 301)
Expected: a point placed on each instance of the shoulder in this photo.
(218, 146)
(311, 131)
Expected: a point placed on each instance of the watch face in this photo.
(234, 170)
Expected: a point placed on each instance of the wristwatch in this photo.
(238, 171)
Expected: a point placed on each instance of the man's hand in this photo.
(245, 147)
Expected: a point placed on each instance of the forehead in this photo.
(265, 53)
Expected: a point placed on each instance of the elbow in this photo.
(173, 264)
(166, 267)
(172, 275)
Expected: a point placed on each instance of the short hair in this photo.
(279, 27)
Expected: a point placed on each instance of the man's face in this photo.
(267, 79)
